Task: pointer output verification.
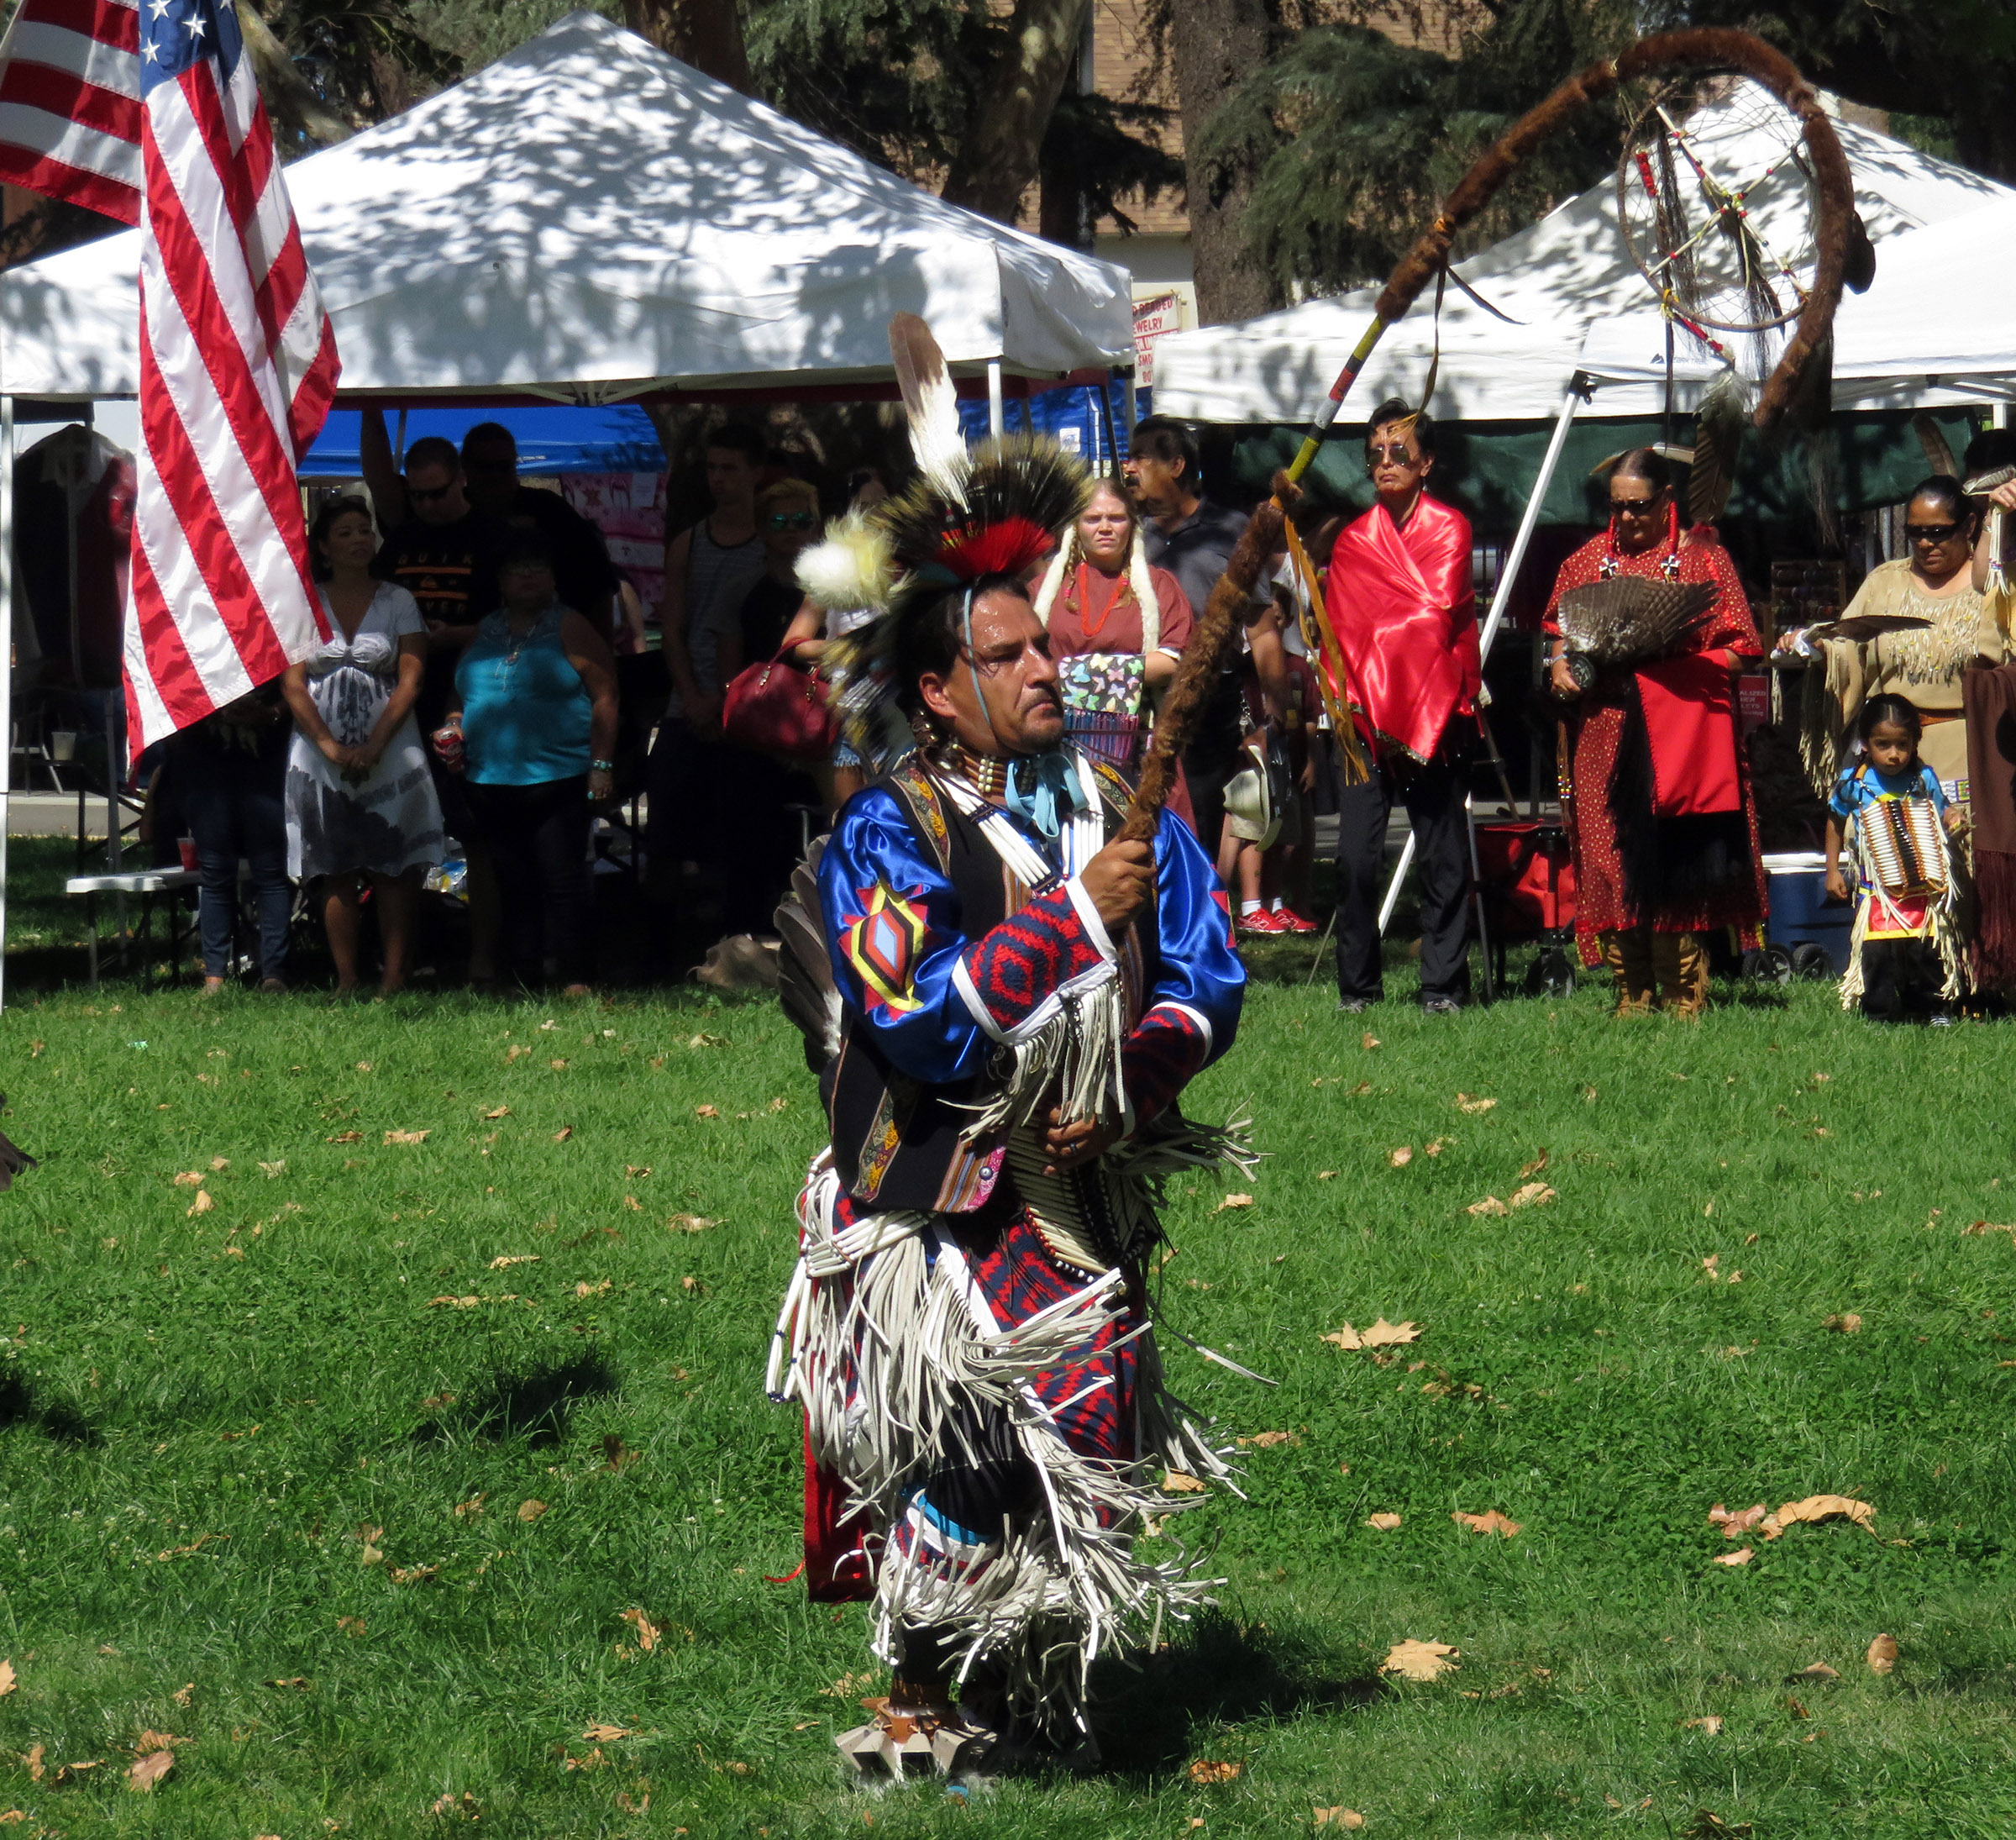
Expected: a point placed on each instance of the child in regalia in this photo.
(1893, 814)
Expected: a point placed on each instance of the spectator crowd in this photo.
(490, 761)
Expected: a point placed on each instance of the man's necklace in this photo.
(989, 777)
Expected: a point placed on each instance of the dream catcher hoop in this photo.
(1718, 207)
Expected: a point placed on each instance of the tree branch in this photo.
(290, 98)
(997, 160)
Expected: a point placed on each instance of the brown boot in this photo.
(1682, 968)
(1629, 956)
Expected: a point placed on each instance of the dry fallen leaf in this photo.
(565, 1132)
(689, 1223)
(414, 1575)
(505, 1258)
(1537, 1165)
(1741, 1523)
(1848, 1323)
(1712, 1724)
(1180, 1482)
(468, 1511)
(1816, 1508)
(452, 1303)
(1401, 1158)
(531, 1510)
(1267, 1440)
(1464, 1102)
(1369, 1041)
(648, 1631)
(33, 1759)
(1489, 1205)
(1812, 1672)
(203, 1204)
(183, 1695)
(1414, 1661)
(190, 1179)
(1533, 1195)
(1381, 1334)
(498, 1112)
(345, 1137)
(405, 1136)
(1203, 1770)
(1326, 1176)
(7, 1681)
(706, 1111)
(1438, 1146)
(606, 1734)
(1882, 1654)
(1339, 1817)
(1382, 1523)
(1232, 1201)
(1490, 1522)
(1742, 1556)
(351, 1626)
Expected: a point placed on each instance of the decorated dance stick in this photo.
(1838, 234)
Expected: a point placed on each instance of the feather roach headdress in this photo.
(966, 516)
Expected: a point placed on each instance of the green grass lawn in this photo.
(271, 1482)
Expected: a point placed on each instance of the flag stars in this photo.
(159, 9)
(195, 26)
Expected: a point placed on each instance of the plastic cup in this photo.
(186, 845)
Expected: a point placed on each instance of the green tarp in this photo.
(1487, 469)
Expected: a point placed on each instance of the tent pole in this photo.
(1133, 411)
(7, 657)
(995, 419)
(1502, 598)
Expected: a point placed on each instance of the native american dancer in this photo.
(1400, 601)
(1004, 1007)
(1662, 818)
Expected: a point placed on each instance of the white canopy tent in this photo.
(1934, 329)
(587, 220)
(1558, 278)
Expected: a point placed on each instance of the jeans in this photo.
(1433, 797)
(537, 840)
(234, 805)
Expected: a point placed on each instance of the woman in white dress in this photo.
(360, 803)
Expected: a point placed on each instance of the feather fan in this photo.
(805, 971)
(1629, 619)
(1719, 424)
(931, 403)
(1861, 627)
(1983, 484)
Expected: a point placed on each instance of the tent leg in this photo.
(1133, 408)
(7, 656)
(995, 419)
(1502, 599)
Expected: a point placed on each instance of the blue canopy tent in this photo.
(614, 438)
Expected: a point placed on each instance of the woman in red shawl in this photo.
(1661, 814)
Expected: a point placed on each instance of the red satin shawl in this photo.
(1690, 719)
(1401, 604)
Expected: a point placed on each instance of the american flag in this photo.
(237, 359)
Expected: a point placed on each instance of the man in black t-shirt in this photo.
(445, 554)
(581, 569)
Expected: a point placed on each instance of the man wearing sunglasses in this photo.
(1401, 601)
(583, 575)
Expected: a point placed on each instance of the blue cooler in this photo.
(1801, 914)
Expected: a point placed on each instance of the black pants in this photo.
(233, 802)
(537, 840)
(1900, 977)
(1433, 795)
(1213, 756)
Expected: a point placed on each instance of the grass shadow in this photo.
(1147, 1717)
(534, 1404)
(58, 1419)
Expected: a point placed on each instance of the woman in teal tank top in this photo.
(533, 728)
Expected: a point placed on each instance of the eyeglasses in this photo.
(1636, 508)
(425, 496)
(1398, 455)
(1931, 533)
(792, 520)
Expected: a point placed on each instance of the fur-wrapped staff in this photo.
(1004, 997)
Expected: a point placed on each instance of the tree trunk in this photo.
(1213, 44)
(706, 34)
(291, 100)
(997, 162)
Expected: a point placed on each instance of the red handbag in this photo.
(777, 707)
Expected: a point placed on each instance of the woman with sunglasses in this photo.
(1933, 581)
(1661, 816)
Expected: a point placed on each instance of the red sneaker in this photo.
(1262, 925)
(1287, 920)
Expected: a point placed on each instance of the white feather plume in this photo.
(931, 403)
(853, 570)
